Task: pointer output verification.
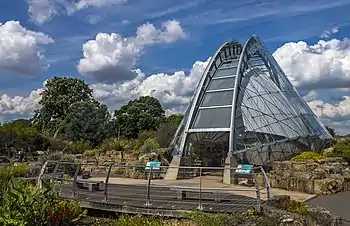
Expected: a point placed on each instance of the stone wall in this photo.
(327, 176)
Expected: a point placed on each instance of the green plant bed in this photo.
(308, 156)
(196, 218)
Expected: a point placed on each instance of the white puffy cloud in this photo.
(173, 91)
(324, 65)
(19, 49)
(337, 110)
(110, 57)
(170, 90)
(20, 105)
(41, 11)
(328, 33)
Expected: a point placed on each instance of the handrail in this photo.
(151, 192)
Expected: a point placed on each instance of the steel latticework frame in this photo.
(244, 99)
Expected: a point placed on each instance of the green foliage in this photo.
(24, 204)
(78, 147)
(115, 144)
(268, 221)
(56, 156)
(149, 145)
(56, 99)
(87, 121)
(9, 171)
(342, 149)
(20, 135)
(90, 153)
(58, 145)
(128, 220)
(143, 114)
(174, 118)
(65, 213)
(19, 170)
(165, 132)
(308, 155)
(294, 206)
(144, 135)
(206, 219)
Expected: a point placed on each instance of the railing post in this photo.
(107, 180)
(267, 183)
(54, 173)
(200, 207)
(148, 203)
(42, 171)
(257, 190)
(75, 179)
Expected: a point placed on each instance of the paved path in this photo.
(338, 203)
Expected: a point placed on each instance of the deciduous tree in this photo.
(143, 114)
(60, 94)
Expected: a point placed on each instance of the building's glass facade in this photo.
(246, 107)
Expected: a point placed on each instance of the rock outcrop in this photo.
(326, 176)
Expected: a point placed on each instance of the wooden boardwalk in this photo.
(162, 200)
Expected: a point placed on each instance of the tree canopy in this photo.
(60, 94)
(87, 121)
(20, 135)
(143, 114)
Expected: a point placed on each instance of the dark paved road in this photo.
(338, 203)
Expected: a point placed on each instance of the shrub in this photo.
(308, 155)
(20, 170)
(57, 145)
(127, 220)
(294, 206)
(24, 204)
(268, 221)
(90, 153)
(78, 147)
(56, 156)
(342, 149)
(65, 213)
(205, 219)
(149, 145)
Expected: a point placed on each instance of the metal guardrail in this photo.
(133, 186)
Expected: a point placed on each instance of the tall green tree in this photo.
(60, 94)
(166, 131)
(87, 121)
(143, 114)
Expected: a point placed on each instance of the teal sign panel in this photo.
(154, 165)
(244, 169)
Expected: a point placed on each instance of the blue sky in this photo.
(60, 28)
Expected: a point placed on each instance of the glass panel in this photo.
(223, 83)
(213, 118)
(225, 72)
(217, 99)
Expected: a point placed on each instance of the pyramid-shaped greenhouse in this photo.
(245, 107)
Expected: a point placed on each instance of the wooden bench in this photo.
(181, 192)
(90, 185)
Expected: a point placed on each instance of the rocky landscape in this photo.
(324, 176)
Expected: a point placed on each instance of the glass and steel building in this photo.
(244, 106)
